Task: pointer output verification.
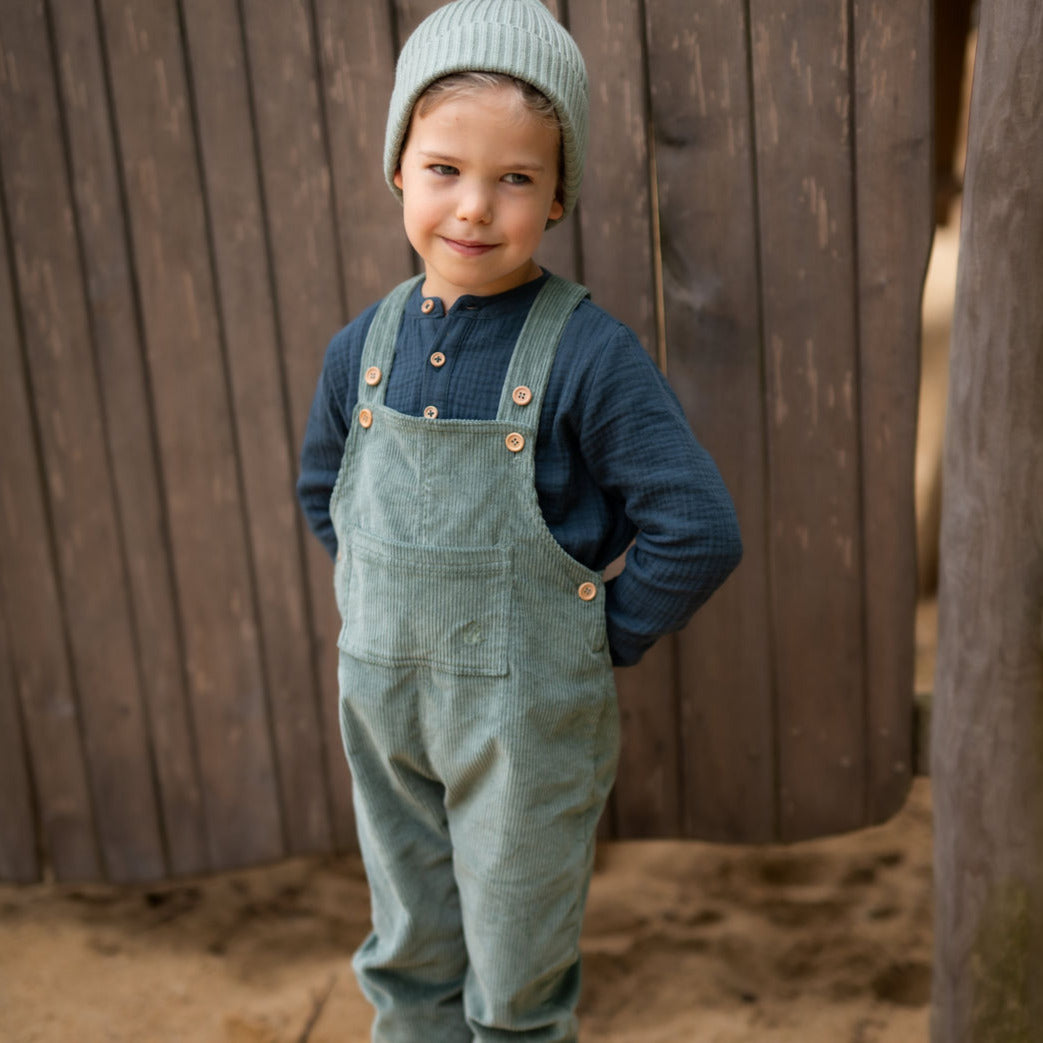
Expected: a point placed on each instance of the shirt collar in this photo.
(492, 305)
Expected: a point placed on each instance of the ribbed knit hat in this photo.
(516, 37)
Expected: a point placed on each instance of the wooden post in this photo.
(987, 756)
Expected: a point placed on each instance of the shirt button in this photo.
(365, 417)
(587, 591)
(515, 442)
(428, 306)
(522, 395)
(437, 360)
(373, 376)
(430, 412)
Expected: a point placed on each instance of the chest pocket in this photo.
(408, 605)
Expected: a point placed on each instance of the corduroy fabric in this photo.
(516, 37)
(477, 710)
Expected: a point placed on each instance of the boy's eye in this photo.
(443, 169)
(517, 179)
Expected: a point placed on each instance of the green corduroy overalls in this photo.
(477, 706)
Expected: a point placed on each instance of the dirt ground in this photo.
(821, 942)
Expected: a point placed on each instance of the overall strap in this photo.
(379, 350)
(529, 370)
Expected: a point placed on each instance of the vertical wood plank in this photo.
(409, 14)
(895, 221)
(802, 95)
(987, 720)
(647, 800)
(559, 251)
(130, 430)
(308, 286)
(19, 858)
(357, 50)
(698, 61)
(63, 383)
(357, 57)
(614, 219)
(196, 439)
(29, 583)
(615, 214)
(267, 453)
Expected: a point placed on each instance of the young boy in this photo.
(482, 444)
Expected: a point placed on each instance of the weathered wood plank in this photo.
(308, 286)
(267, 453)
(894, 225)
(614, 222)
(357, 57)
(615, 217)
(196, 437)
(703, 153)
(19, 846)
(987, 741)
(29, 589)
(647, 800)
(802, 74)
(63, 384)
(560, 251)
(357, 52)
(130, 430)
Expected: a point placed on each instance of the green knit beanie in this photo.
(516, 37)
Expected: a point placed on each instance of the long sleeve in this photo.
(328, 423)
(640, 449)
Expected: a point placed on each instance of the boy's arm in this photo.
(639, 447)
(327, 431)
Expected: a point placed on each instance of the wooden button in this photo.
(428, 306)
(373, 376)
(437, 360)
(431, 412)
(365, 417)
(515, 442)
(587, 591)
(522, 395)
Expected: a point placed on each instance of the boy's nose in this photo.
(474, 204)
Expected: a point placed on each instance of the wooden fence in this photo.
(191, 203)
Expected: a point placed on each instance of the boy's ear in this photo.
(397, 179)
(556, 210)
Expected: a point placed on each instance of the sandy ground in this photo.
(822, 942)
(827, 941)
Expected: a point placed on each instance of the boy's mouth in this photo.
(467, 247)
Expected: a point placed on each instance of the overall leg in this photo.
(413, 964)
(523, 822)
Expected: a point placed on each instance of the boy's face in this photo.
(478, 177)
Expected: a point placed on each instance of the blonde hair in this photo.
(459, 84)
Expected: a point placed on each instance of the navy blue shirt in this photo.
(615, 458)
